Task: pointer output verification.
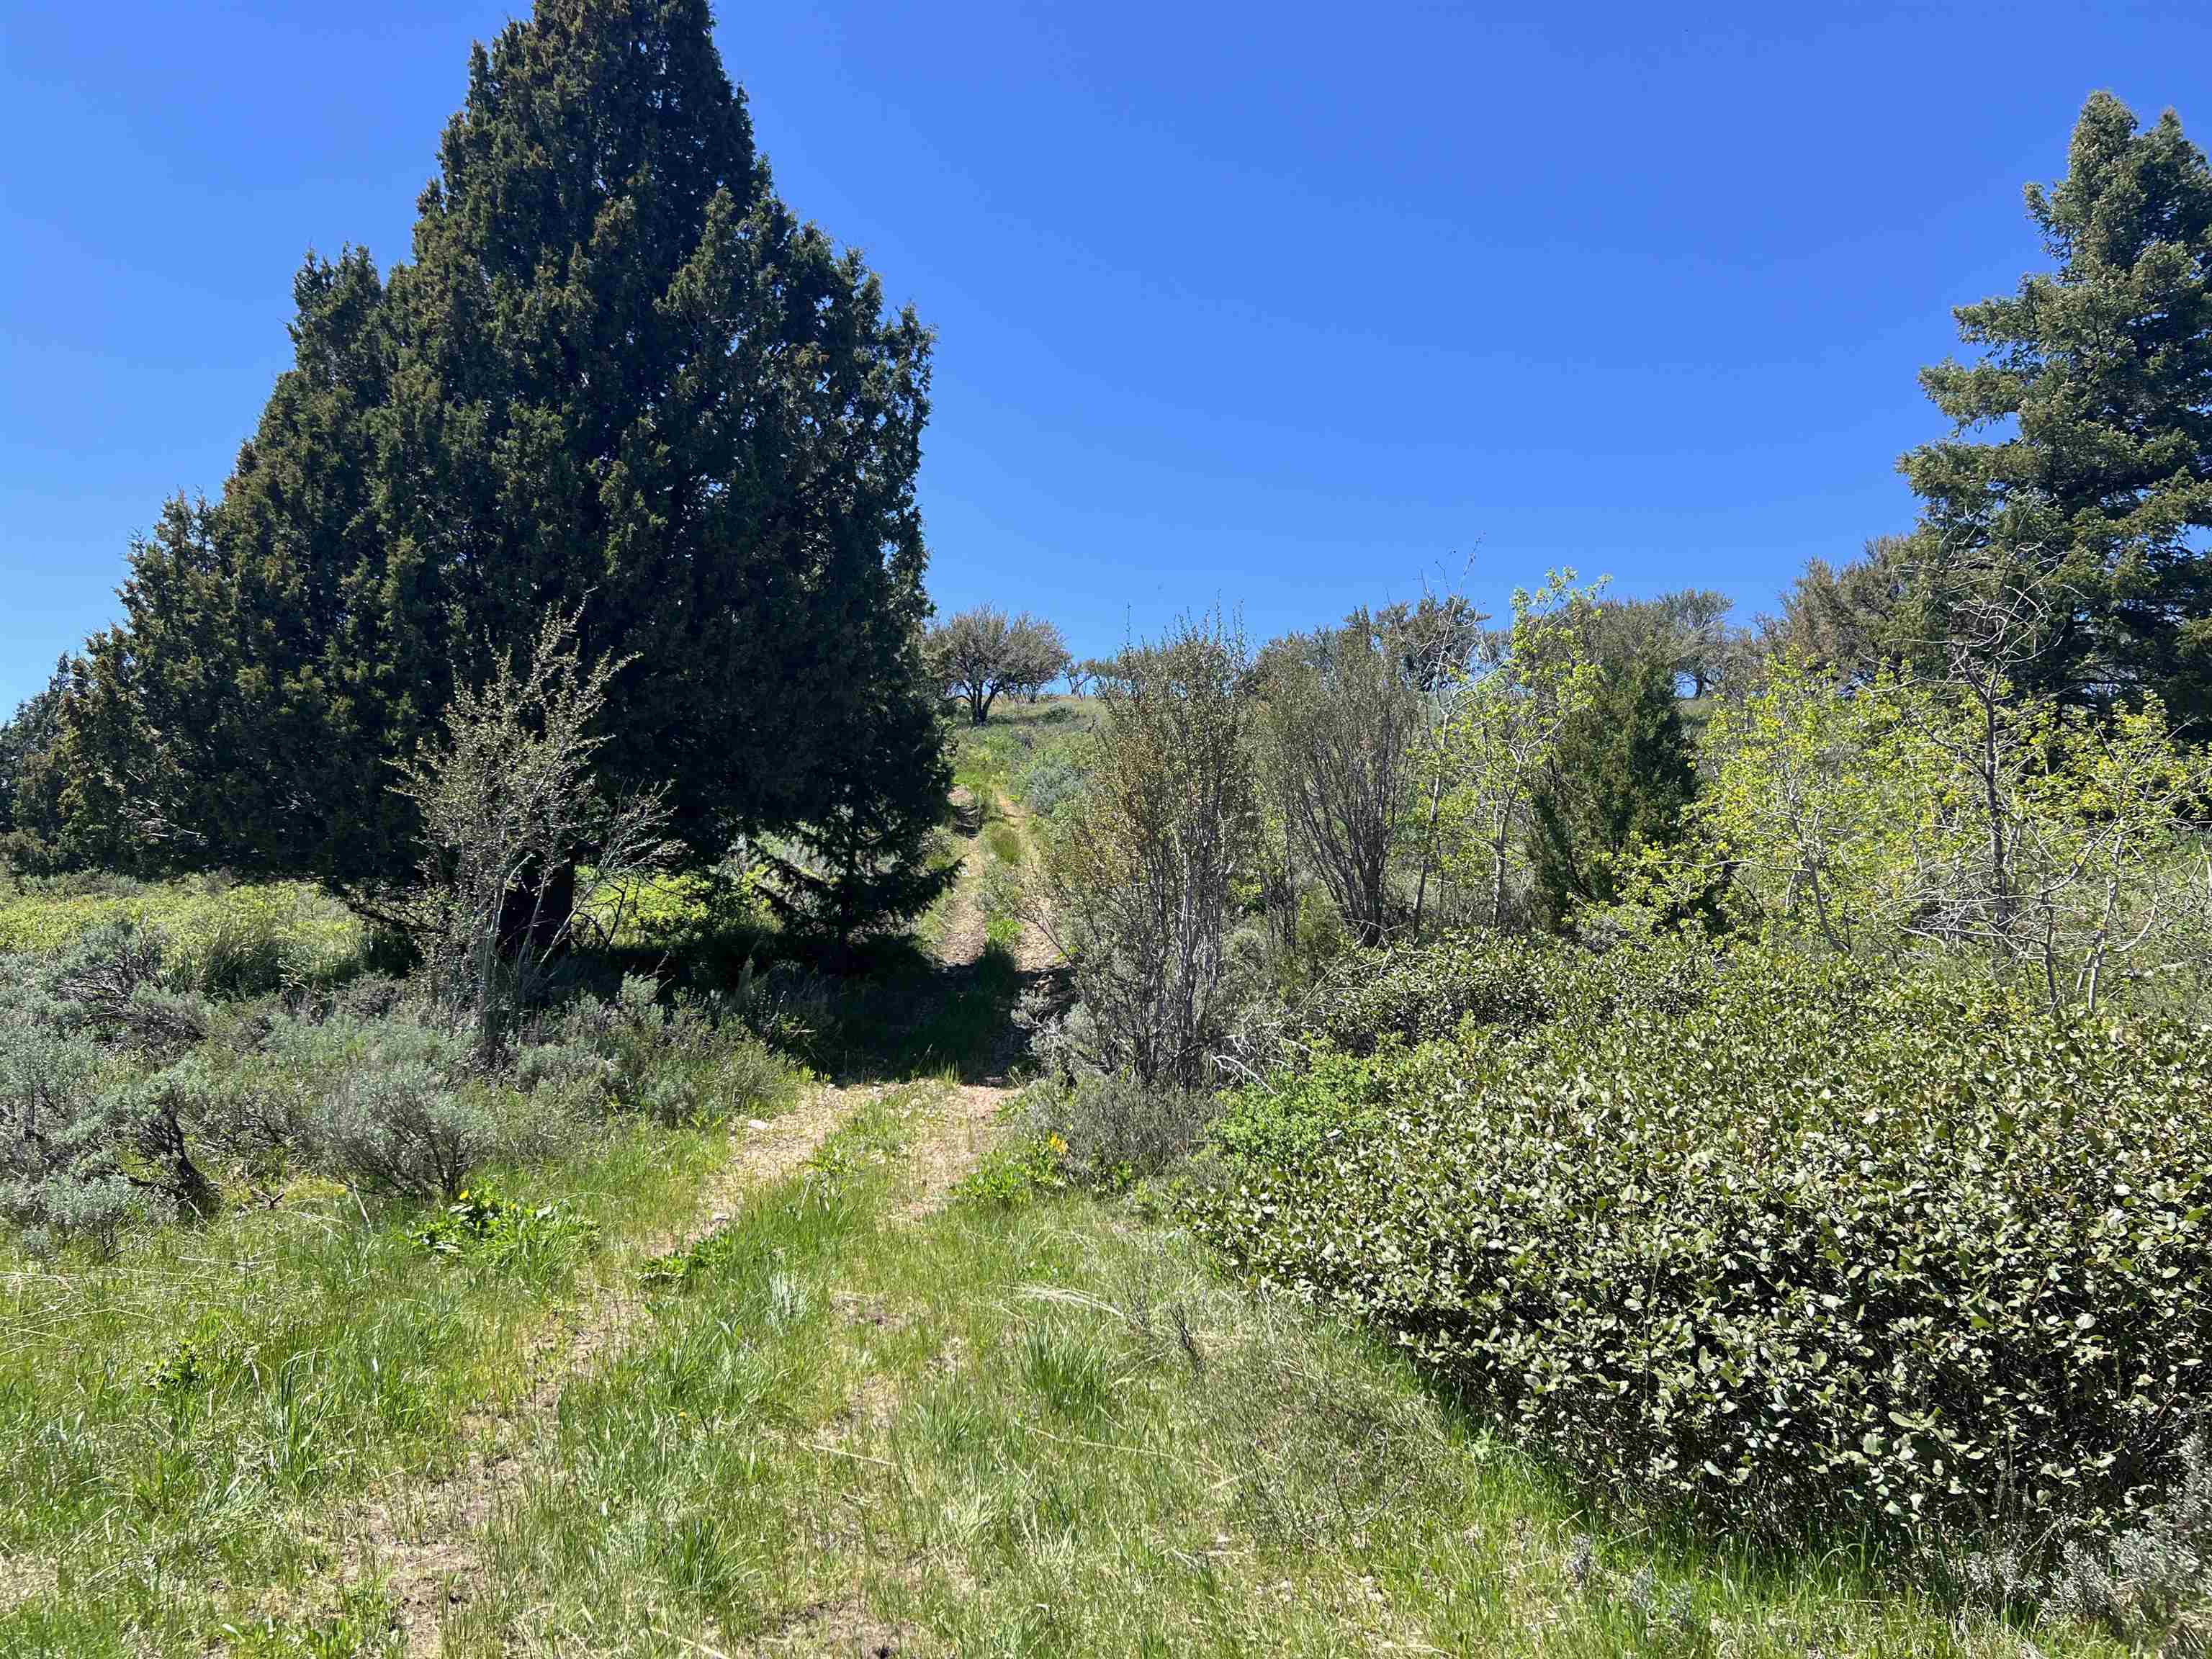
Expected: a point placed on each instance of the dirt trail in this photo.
(966, 1126)
(422, 1537)
(969, 1123)
(967, 926)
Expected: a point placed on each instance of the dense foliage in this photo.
(2093, 385)
(147, 1076)
(1777, 1239)
(1138, 880)
(619, 366)
(1617, 783)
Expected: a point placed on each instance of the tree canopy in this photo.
(981, 653)
(618, 378)
(2096, 386)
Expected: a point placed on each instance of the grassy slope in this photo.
(327, 1351)
(979, 1431)
(192, 911)
(991, 755)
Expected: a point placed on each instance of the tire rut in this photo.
(421, 1538)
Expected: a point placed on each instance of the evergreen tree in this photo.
(1857, 617)
(1620, 777)
(618, 377)
(2104, 485)
(29, 809)
(861, 859)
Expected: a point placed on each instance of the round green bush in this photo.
(1781, 1242)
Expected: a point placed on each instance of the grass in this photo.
(179, 1425)
(211, 920)
(1022, 1424)
(1054, 1431)
(988, 759)
(1034, 1422)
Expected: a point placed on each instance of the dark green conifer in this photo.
(1621, 777)
(616, 375)
(2097, 378)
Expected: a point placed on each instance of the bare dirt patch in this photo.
(967, 1126)
(24, 1578)
(845, 1628)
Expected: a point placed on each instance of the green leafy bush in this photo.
(1016, 1171)
(1780, 1240)
(483, 1224)
(1418, 993)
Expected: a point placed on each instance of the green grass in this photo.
(1054, 1431)
(180, 1425)
(989, 758)
(1033, 1423)
(206, 917)
(1025, 1425)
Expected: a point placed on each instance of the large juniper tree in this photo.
(2098, 379)
(617, 377)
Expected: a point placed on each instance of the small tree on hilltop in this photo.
(983, 652)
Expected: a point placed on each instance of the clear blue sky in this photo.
(1284, 305)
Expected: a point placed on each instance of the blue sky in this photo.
(1289, 307)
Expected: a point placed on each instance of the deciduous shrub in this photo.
(692, 1062)
(1137, 883)
(86, 1144)
(1052, 776)
(1774, 1240)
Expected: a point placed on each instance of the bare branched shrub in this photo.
(1137, 881)
(519, 843)
(1340, 731)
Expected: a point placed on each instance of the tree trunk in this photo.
(539, 921)
(1498, 879)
